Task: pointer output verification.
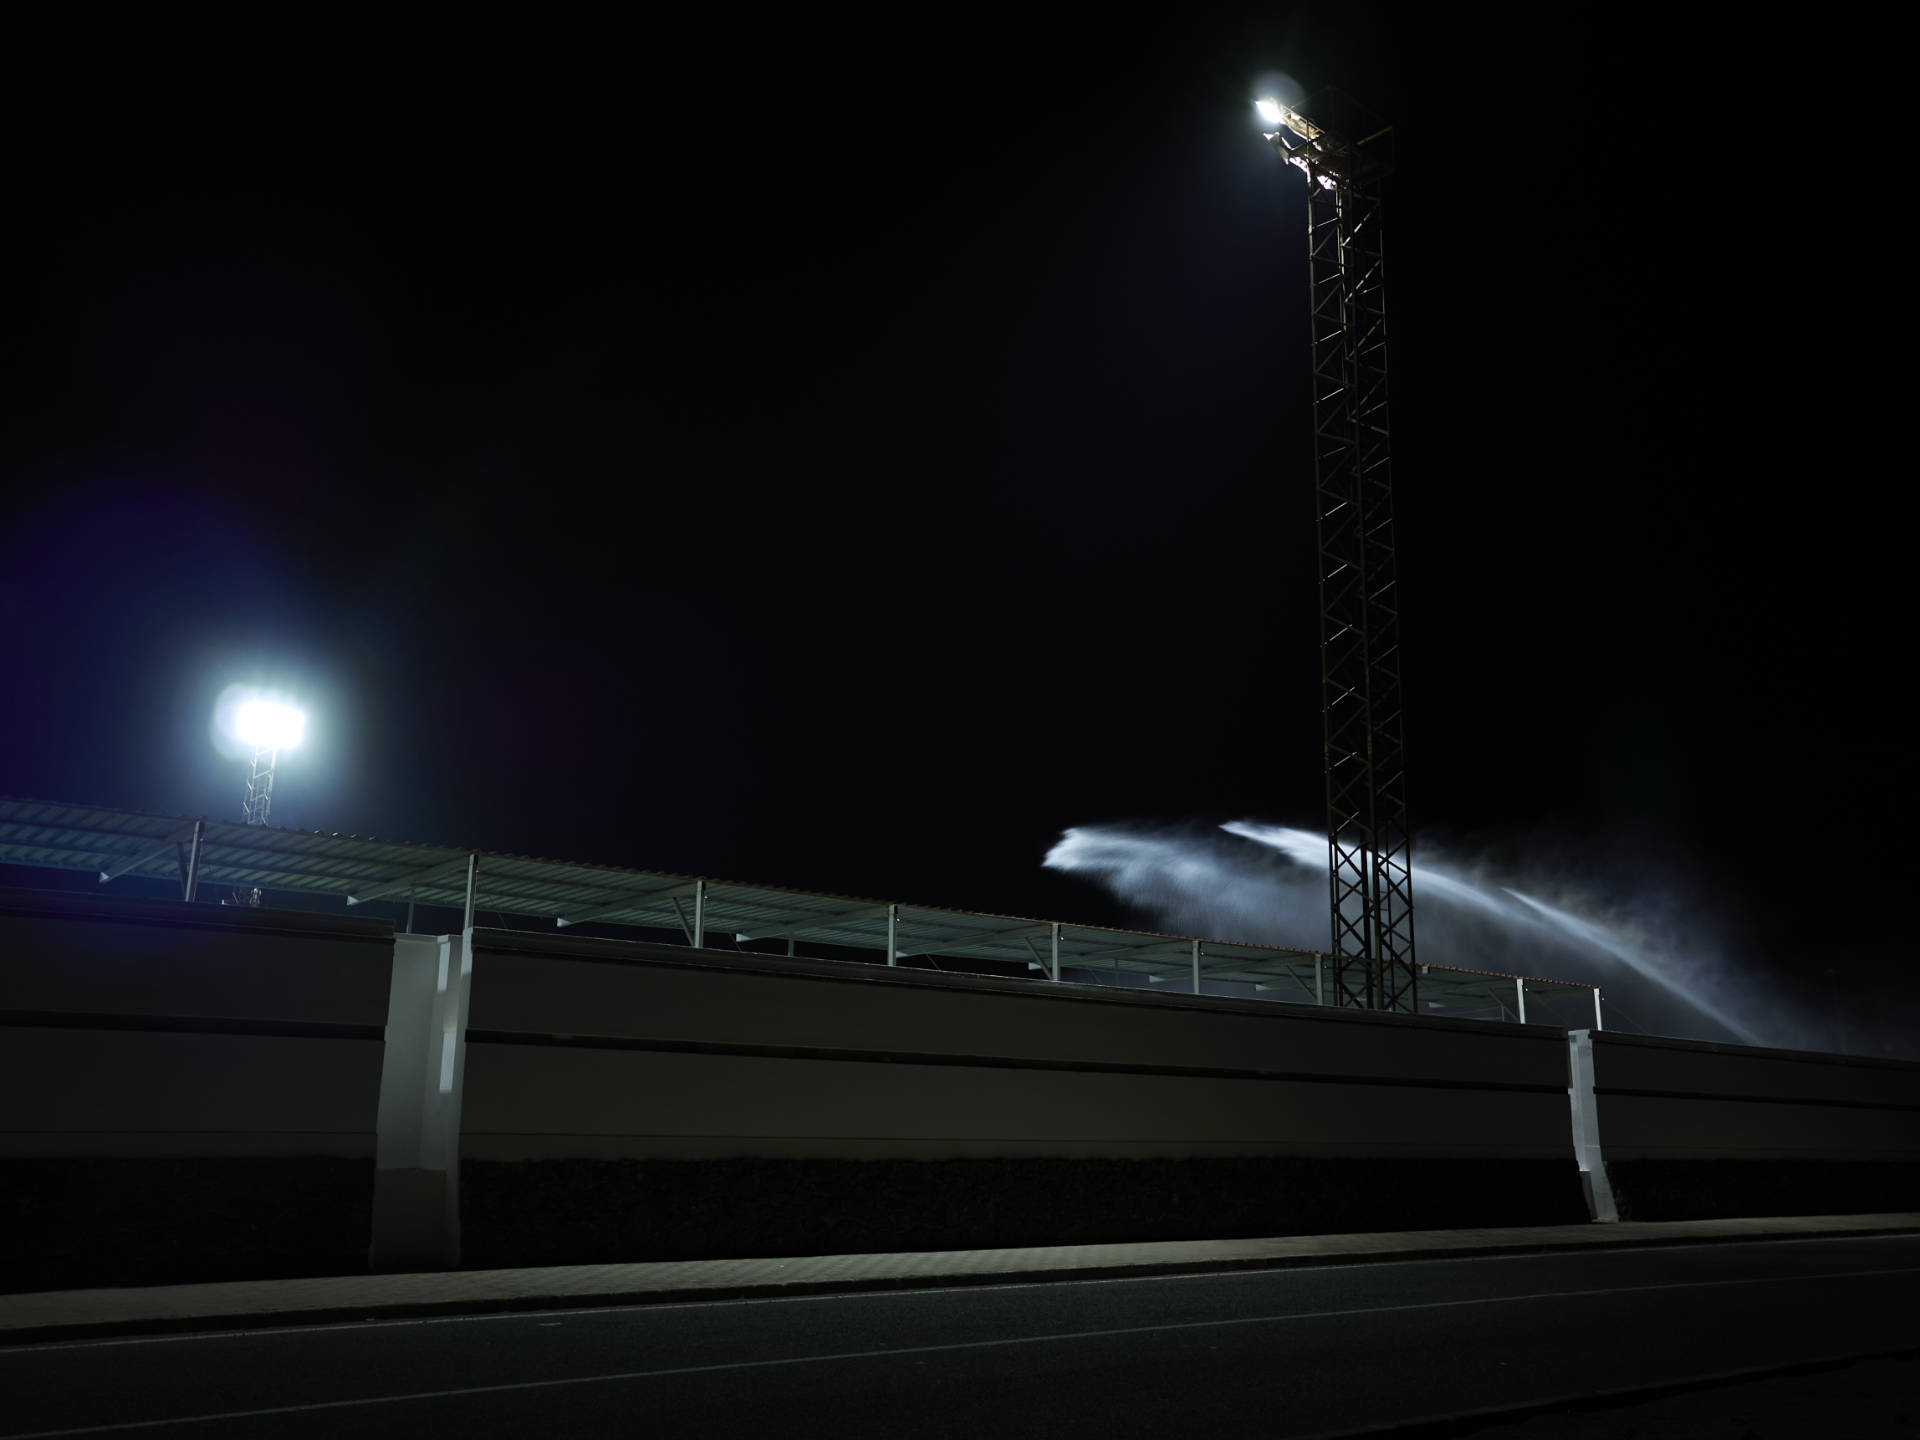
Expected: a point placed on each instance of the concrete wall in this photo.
(184, 1090)
(1691, 1129)
(597, 1047)
(617, 1094)
(195, 1092)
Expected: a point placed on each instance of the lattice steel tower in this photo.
(269, 727)
(259, 802)
(1368, 854)
(260, 785)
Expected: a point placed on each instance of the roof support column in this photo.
(1196, 967)
(700, 915)
(1056, 949)
(893, 934)
(410, 898)
(1520, 997)
(473, 884)
(1319, 991)
(137, 859)
(192, 887)
(1596, 1009)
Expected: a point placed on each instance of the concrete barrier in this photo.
(647, 1101)
(185, 1091)
(1692, 1130)
(416, 1204)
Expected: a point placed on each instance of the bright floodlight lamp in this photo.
(269, 726)
(251, 723)
(1325, 158)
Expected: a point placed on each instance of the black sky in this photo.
(845, 457)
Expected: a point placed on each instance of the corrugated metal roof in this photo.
(118, 842)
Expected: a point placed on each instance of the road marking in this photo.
(676, 1371)
(1010, 1281)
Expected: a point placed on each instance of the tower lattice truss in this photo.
(260, 786)
(1369, 858)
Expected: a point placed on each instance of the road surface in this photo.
(1293, 1352)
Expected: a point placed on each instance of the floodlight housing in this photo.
(270, 726)
(1324, 157)
(1271, 111)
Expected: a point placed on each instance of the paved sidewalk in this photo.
(75, 1314)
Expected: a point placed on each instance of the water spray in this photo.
(1193, 882)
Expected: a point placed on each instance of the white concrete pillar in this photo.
(893, 934)
(1586, 1127)
(1520, 998)
(1056, 949)
(700, 915)
(1597, 1026)
(1196, 967)
(416, 1191)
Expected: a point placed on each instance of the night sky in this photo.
(846, 458)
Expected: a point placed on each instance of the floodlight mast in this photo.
(1368, 851)
(266, 726)
(260, 785)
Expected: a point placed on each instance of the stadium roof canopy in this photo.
(290, 863)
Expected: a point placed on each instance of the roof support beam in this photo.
(696, 933)
(819, 922)
(634, 901)
(1168, 979)
(1313, 989)
(1122, 952)
(443, 871)
(1050, 967)
(142, 857)
(953, 945)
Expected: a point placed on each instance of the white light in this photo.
(1271, 111)
(269, 726)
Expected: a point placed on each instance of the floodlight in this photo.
(269, 726)
(1271, 111)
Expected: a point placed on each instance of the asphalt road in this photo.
(1311, 1351)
